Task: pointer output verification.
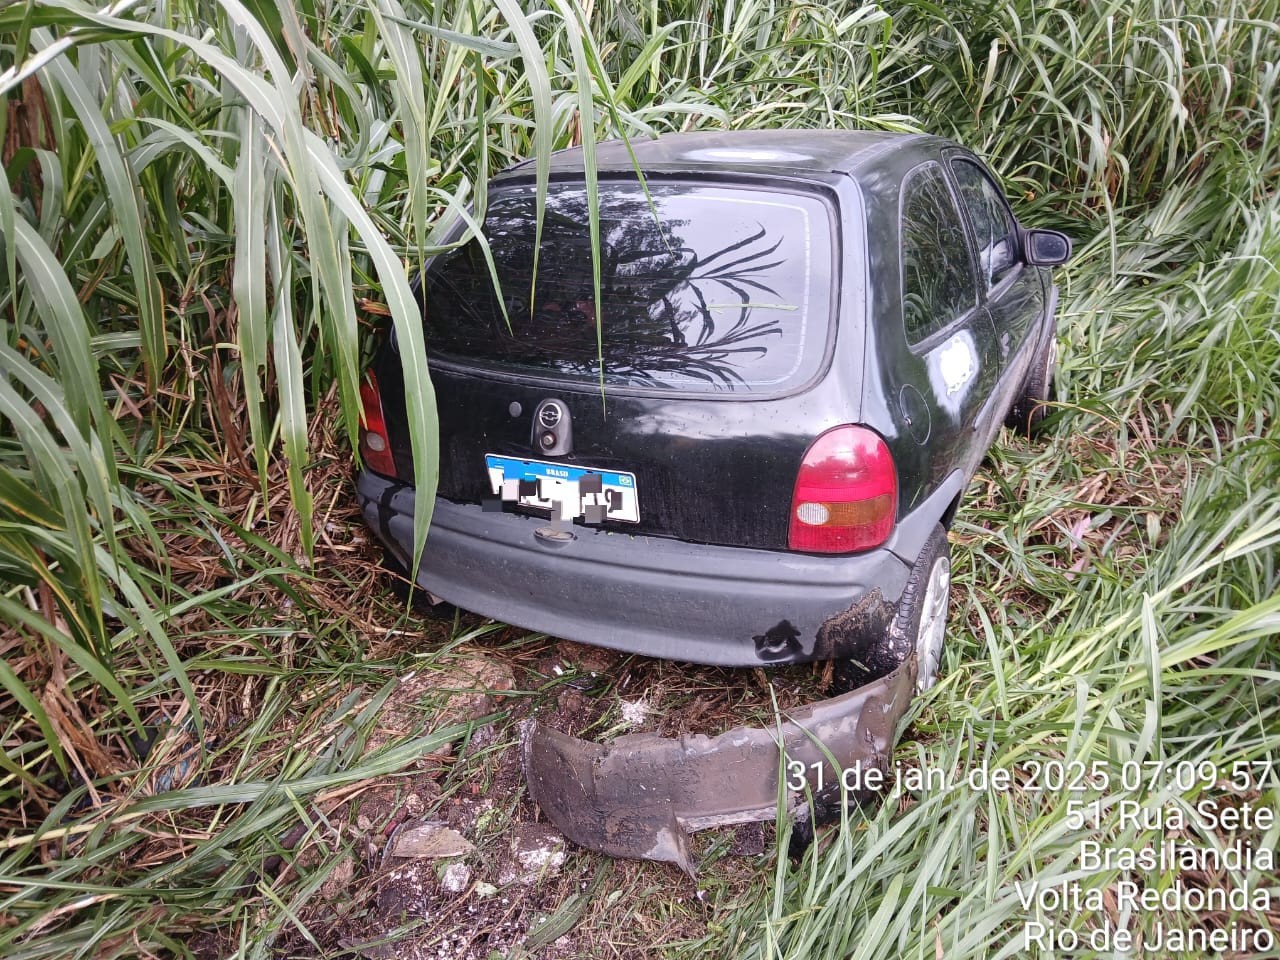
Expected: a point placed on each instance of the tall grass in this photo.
(209, 206)
(1162, 651)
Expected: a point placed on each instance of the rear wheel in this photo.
(1030, 409)
(920, 625)
(922, 612)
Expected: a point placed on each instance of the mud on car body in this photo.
(809, 340)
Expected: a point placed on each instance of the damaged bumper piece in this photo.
(641, 795)
(659, 596)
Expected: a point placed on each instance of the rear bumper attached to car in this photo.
(663, 597)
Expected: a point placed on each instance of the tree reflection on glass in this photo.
(696, 293)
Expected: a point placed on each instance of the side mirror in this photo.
(1045, 248)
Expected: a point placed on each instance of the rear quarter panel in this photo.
(932, 435)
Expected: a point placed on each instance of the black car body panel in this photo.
(732, 606)
(707, 470)
(703, 572)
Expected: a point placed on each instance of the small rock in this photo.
(429, 839)
(337, 886)
(473, 681)
(570, 702)
(635, 712)
(456, 877)
(483, 737)
(537, 851)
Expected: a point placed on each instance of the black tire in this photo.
(904, 629)
(912, 608)
(1029, 410)
(903, 638)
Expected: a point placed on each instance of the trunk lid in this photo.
(717, 307)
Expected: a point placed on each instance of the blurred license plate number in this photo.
(567, 492)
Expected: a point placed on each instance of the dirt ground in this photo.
(509, 885)
(485, 875)
(513, 886)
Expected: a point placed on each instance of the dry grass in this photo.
(261, 715)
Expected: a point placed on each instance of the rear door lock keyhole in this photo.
(552, 428)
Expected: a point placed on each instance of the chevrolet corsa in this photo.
(749, 449)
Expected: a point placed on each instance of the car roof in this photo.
(807, 154)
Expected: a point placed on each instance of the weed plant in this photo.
(211, 205)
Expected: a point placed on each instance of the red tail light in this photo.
(375, 445)
(846, 495)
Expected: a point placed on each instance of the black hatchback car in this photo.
(748, 449)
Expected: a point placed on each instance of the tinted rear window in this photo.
(725, 289)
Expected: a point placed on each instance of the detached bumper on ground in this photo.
(642, 795)
(698, 603)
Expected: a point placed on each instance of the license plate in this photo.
(567, 492)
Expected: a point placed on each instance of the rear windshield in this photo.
(724, 289)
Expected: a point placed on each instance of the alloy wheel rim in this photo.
(933, 624)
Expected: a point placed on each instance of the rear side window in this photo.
(724, 289)
(938, 285)
(993, 225)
